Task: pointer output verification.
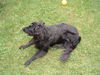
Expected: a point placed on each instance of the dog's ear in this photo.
(40, 23)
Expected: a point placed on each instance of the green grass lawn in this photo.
(83, 14)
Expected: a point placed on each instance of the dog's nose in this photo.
(23, 29)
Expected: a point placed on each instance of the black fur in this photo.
(45, 37)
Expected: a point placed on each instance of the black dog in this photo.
(45, 37)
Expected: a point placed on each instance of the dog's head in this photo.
(34, 28)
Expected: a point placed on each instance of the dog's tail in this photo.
(75, 43)
(79, 39)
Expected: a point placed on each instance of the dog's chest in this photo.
(40, 44)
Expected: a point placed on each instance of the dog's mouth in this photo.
(29, 33)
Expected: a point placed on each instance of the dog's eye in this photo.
(30, 26)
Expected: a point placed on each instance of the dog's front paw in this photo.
(64, 58)
(22, 47)
(27, 63)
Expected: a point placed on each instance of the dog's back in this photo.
(63, 28)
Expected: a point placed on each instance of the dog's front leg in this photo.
(31, 42)
(34, 57)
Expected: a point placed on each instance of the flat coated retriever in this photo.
(44, 37)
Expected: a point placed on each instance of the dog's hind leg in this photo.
(34, 57)
(69, 47)
(67, 51)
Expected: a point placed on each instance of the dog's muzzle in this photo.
(26, 30)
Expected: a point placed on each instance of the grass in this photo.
(83, 14)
